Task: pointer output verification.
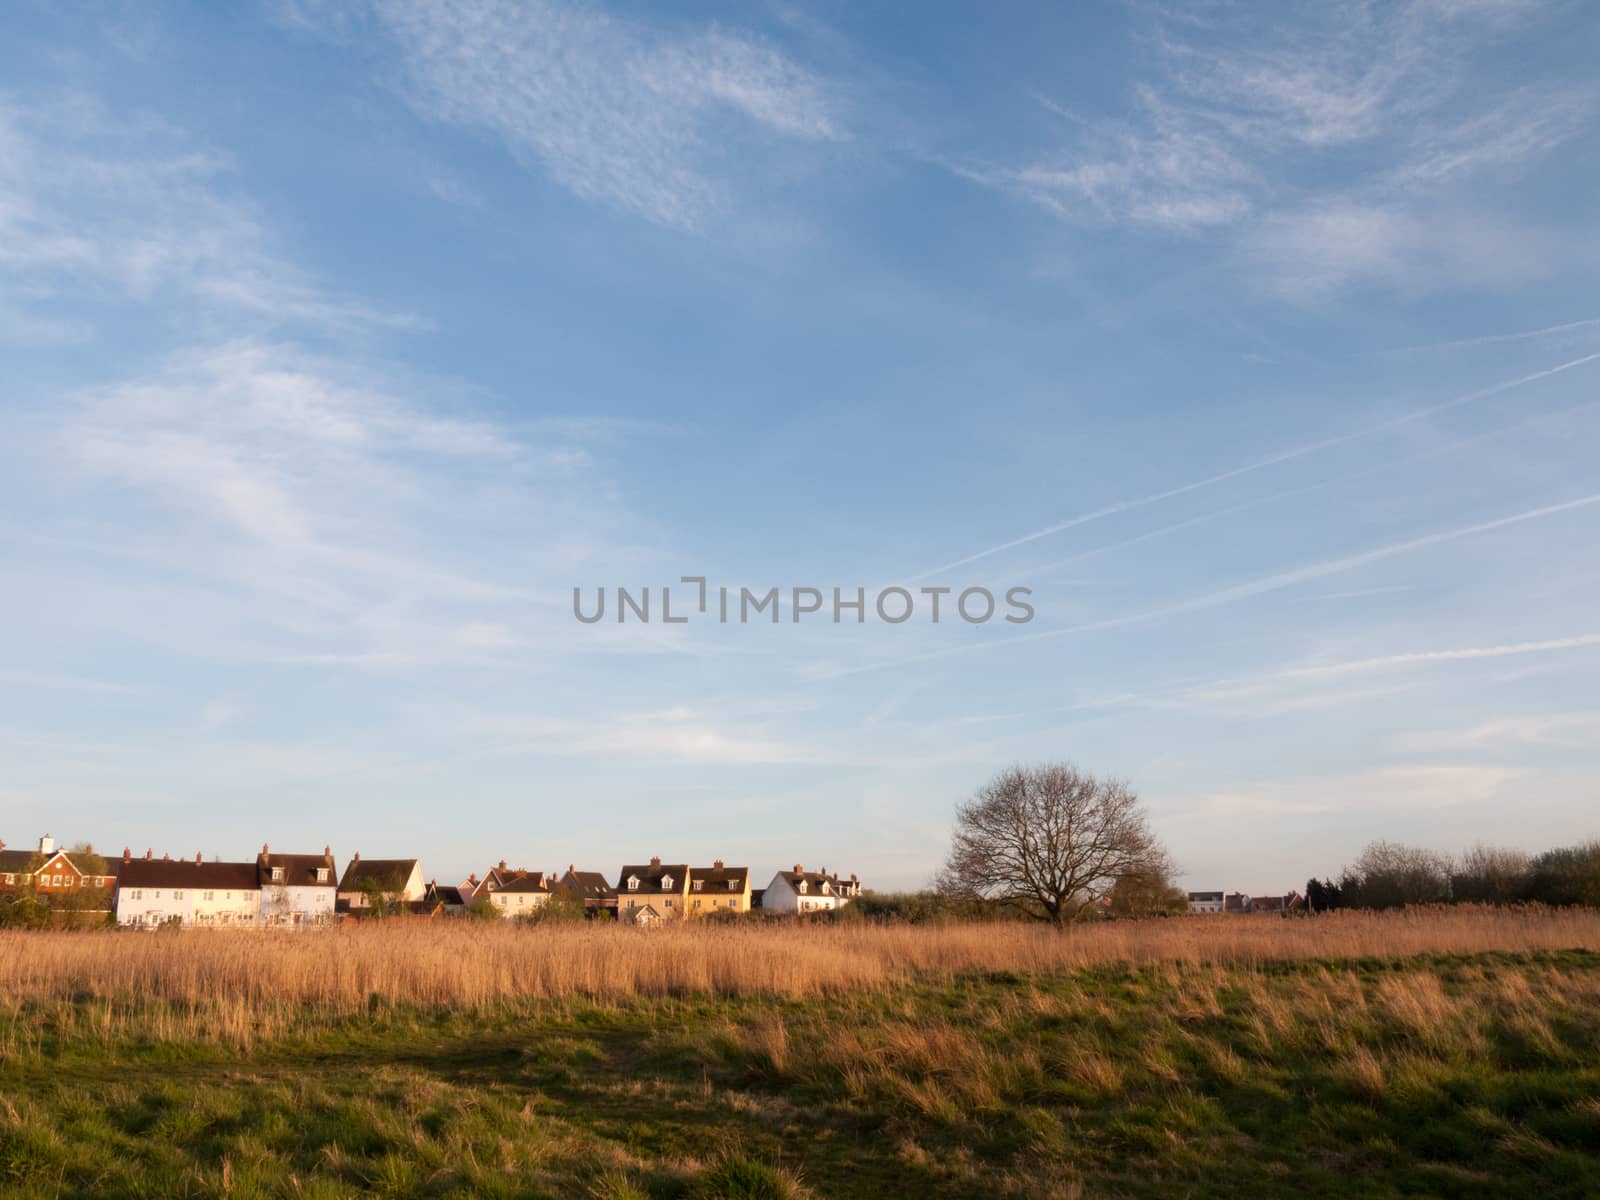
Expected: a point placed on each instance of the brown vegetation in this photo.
(239, 986)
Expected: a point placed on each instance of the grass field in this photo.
(1448, 1053)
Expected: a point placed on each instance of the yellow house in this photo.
(718, 889)
(654, 893)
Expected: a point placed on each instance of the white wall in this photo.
(210, 907)
(296, 906)
(517, 904)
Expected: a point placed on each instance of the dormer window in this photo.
(633, 883)
(322, 874)
(731, 885)
(666, 882)
(698, 884)
(803, 885)
(825, 886)
(277, 874)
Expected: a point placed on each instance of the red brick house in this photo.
(49, 872)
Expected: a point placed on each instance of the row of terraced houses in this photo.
(294, 891)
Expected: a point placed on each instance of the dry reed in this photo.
(236, 986)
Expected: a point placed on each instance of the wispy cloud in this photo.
(109, 206)
(350, 518)
(1572, 730)
(1333, 147)
(619, 112)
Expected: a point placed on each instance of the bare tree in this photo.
(1050, 840)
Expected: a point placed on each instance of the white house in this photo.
(806, 891)
(394, 880)
(297, 890)
(1205, 902)
(522, 893)
(188, 892)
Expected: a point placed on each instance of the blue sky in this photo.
(339, 343)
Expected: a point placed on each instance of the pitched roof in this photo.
(186, 873)
(299, 870)
(16, 862)
(450, 895)
(591, 885)
(526, 881)
(717, 878)
(814, 881)
(650, 877)
(380, 870)
(1206, 897)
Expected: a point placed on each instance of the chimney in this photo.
(822, 870)
(327, 852)
(148, 854)
(356, 857)
(47, 844)
(197, 858)
(655, 860)
(165, 857)
(717, 866)
(798, 869)
(571, 870)
(127, 854)
(2, 843)
(502, 864)
(88, 847)
(853, 878)
(263, 849)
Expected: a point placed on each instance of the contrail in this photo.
(1489, 338)
(1255, 587)
(1258, 465)
(1427, 656)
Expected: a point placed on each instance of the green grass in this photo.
(1461, 1076)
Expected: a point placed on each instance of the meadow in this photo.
(1427, 1052)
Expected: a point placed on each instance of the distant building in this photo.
(392, 881)
(522, 893)
(452, 902)
(591, 888)
(50, 872)
(297, 890)
(1205, 902)
(187, 892)
(647, 894)
(718, 889)
(802, 891)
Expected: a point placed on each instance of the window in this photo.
(177, 893)
(322, 874)
(666, 882)
(136, 895)
(698, 884)
(669, 901)
(277, 874)
(10, 880)
(630, 902)
(697, 905)
(802, 888)
(156, 895)
(731, 885)
(211, 895)
(633, 883)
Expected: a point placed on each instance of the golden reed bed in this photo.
(468, 964)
